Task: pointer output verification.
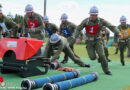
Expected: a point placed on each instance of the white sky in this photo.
(77, 10)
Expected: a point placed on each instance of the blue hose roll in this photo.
(110, 43)
(65, 85)
(53, 79)
(38, 83)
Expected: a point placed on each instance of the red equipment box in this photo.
(24, 48)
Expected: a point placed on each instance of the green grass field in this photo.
(120, 79)
(80, 49)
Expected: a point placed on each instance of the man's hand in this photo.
(23, 34)
(107, 42)
(116, 44)
(58, 33)
(2, 31)
(19, 25)
(32, 29)
(77, 41)
(12, 36)
(120, 36)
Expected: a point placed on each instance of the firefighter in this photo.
(93, 26)
(125, 40)
(50, 28)
(67, 29)
(33, 25)
(61, 44)
(8, 27)
(105, 34)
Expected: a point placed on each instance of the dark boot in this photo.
(87, 65)
(128, 56)
(116, 51)
(122, 62)
(108, 73)
(64, 61)
(108, 60)
(98, 60)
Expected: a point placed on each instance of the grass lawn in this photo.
(120, 79)
(80, 50)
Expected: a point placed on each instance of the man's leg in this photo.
(71, 43)
(128, 53)
(128, 45)
(91, 51)
(122, 47)
(116, 50)
(106, 54)
(100, 52)
(65, 59)
(74, 58)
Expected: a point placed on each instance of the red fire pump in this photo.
(19, 55)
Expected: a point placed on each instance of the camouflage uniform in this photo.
(116, 52)
(10, 27)
(19, 20)
(93, 38)
(68, 31)
(80, 38)
(63, 46)
(103, 36)
(125, 41)
(128, 53)
(50, 28)
(36, 21)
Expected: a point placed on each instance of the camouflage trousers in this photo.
(96, 46)
(105, 50)
(71, 44)
(73, 56)
(123, 44)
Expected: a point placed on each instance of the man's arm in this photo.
(73, 27)
(107, 35)
(60, 29)
(54, 28)
(41, 26)
(113, 28)
(13, 25)
(57, 54)
(79, 28)
(25, 26)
